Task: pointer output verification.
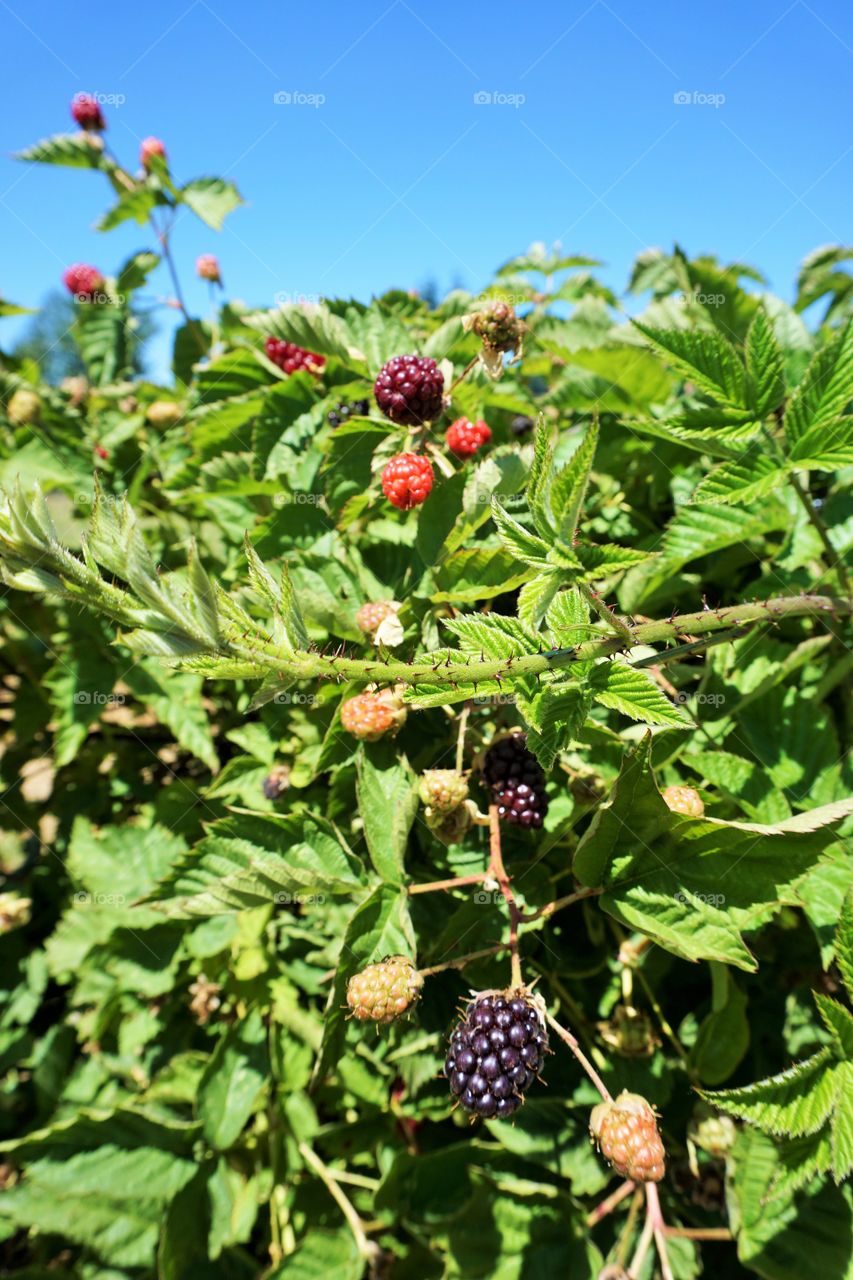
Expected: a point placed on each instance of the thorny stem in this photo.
(460, 377)
(607, 1206)
(567, 1037)
(614, 622)
(366, 1248)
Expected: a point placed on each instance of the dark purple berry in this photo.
(496, 1052)
(521, 424)
(410, 389)
(516, 781)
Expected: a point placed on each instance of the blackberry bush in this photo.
(237, 827)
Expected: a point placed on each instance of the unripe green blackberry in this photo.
(443, 789)
(684, 800)
(626, 1130)
(498, 326)
(384, 992)
(713, 1132)
(450, 827)
(630, 1032)
(24, 407)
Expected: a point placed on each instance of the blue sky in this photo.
(395, 173)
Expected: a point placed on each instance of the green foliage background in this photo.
(180, 1091)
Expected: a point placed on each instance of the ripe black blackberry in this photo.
(521, 424)
(345, 410)
(516, 780)
(410, 390)
(496, 1053)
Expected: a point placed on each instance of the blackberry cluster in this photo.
(517, 783)
(495, 1054)
(343, 411)
(291, 358)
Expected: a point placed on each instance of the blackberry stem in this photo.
(567, 1037)
(461, 961)
(698, 1233)
(498, 871)
(456, 882)
(607, 1206)
(655, 1216)
(366, 1248)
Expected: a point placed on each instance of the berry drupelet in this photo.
(409, 390)
(291, 358)
(516, 781)
(495, 1053)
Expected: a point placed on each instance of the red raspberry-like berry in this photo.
(409, 390)
(465, 437)
(291, 358)
(369, 716)
(684, 800)
(82, 281)
(101, 452)
(407, 480)
(86, 111)
(207, 268)
(626, 1130)
(496, 1053)
(384, 992)
(150, 147)
(370, 615)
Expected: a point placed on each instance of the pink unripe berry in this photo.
(149, 148)
(207, 268)
(86, 110)
(82, 281)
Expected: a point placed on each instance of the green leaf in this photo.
(232, 1081)
(314, 327)
(211, 199)
(765, 366)
(723, 1037)
(744, 479)
(248, 861)
(387, 793)
(634, 693)
(135, 272)
(136, 204)
(477, 573)
(519, 542)
(76, 150)
(673, 877)
(825, 390)
(568, 488)
(705, 358)
(827, 446)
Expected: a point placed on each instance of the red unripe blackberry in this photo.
(626, 1130)
(384, 992)
(150, 147)
(465, 437)
(291, 358)
(82, 281)
(407, 480)
(86, 111)
(369, 716)
(370, 615)
(101, 452)
(685, 800)
(496, 1052)
(207, 268)
(409, 390)
(516, 780)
